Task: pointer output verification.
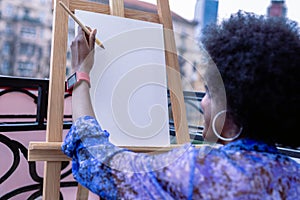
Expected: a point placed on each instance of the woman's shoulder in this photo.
(246, 170)
(246, 154)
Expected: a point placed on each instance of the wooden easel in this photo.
(50, 151)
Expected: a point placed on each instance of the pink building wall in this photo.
(19, 103)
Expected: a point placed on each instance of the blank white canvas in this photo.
(128, 80)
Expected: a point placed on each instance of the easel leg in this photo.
(82, 193)
(51, 180)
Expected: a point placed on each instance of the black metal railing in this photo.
(37, 89)
(19, 150)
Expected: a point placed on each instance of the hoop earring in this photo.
(219, 135)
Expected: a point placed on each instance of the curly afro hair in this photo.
(259, 59)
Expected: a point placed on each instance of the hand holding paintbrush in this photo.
(86, 30)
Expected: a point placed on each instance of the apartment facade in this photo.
(25, 42)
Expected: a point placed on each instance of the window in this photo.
(26, 13)
(7, 48)
(8, 11)
(27, 49)
(9, 29)
(5, 67)
(42, 17)
(40, 52)
(25, 68)
(28, 32)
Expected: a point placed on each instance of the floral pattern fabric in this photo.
(241, 170)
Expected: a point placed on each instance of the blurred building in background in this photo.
(25, 42)
(206, 12)
(277, 9)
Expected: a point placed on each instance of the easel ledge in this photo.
(51, 151)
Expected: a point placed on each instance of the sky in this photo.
(185, 8)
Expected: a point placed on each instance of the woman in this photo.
(258, 60)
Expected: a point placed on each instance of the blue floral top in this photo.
(244, 169)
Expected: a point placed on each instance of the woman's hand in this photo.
(82, 49)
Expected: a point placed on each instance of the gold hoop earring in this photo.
(219, 135)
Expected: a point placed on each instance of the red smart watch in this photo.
(76, 78)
